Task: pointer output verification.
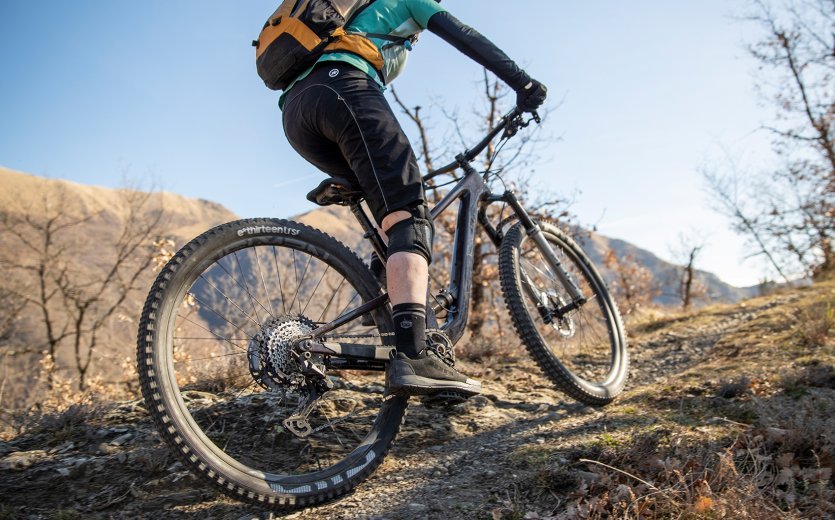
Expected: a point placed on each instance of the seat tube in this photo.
(370, 231)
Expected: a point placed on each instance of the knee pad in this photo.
(414, 234)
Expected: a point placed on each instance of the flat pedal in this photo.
(445, 398)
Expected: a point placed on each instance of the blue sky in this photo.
(166, 91)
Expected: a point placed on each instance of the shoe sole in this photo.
(417, 385)
(443, 399)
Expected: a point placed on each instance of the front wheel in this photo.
(225, 385)
(582, 350)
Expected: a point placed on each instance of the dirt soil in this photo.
(715, 378)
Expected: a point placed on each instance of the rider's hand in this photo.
(531, 96)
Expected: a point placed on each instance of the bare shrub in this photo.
(817, 323)
(76, 298)
(634, 285)
(788, 214)
(735, 388)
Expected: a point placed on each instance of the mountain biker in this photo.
(336, 116)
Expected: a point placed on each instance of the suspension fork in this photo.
(535, 232)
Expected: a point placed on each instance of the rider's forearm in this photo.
(478, 48)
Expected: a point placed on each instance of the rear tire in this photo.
(210, 378)
(583, 353)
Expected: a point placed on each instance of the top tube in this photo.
(468, 155)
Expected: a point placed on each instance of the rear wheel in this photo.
(224, 385)
(583, 351)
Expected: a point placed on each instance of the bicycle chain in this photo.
(356, 336)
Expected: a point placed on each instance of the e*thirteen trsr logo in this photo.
(263, 230)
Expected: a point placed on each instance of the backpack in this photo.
(300, 31)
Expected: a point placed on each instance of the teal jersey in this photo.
(396, 18)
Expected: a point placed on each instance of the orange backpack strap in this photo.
(356, 44)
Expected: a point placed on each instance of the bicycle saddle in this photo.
(336, 190)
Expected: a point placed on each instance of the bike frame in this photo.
(474, 196)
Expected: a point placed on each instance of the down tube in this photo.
(470, 191)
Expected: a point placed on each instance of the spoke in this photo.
(239, 284)
(230, 300)
(299, 284)
(345, 309)
(215, 357)
(219, 316)
(252, 299)
(328, 306)
(331, 423)
(261, 273)
(234, 397)
(208, 339)
(296, 278)
(280, 287)
(315, 289)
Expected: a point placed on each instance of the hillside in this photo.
(184, 217)
(100, 213)
(339, 222)
(729, 413)
(87, 221)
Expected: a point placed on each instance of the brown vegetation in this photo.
(76, 262)
(729, 415)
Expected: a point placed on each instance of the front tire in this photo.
(216, 373)
(582, 352)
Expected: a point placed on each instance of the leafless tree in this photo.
(10, 309)
(633, 285)
(77, 286)
(685, 254)
(730, 198)
(36, 253)
(519, 153)
(790, 213)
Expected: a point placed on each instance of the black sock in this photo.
(410, 328)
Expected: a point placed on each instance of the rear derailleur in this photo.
(316, 385)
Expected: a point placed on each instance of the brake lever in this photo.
(513, 125)
(518, 122)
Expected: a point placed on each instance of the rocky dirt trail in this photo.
(464, 461)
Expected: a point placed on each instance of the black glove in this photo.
(531, 96)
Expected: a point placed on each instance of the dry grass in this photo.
(746, 434)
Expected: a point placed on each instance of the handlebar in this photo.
(510, 124)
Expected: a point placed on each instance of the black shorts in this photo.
(338, 119)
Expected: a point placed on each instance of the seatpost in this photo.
(370, 231)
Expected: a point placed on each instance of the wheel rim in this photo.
(584, 341)
(228, 376)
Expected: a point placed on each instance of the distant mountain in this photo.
(101, 211)
(184, 218)
(665, 273)
(339, 222)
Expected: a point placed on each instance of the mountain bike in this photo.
(263, 343)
